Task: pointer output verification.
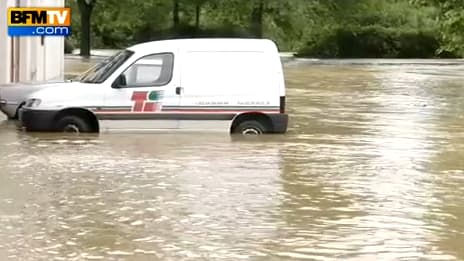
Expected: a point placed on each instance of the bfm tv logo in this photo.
(39, 21)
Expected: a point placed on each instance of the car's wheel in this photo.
(73, 124)
(251, 128)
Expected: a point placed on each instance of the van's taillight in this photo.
(282, 104)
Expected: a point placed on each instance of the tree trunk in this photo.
(257, 19)
(85, 8)
(175, 13)
(197, 16)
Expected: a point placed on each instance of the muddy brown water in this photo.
(372, 168)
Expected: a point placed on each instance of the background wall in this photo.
(5, 44)
(30, 58)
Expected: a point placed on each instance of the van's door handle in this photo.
(179, 90)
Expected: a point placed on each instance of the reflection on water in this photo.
(371, 169)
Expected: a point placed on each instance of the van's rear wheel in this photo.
(251, 128)
(73, 124)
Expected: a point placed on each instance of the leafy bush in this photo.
(373, 42)
(328, 28)
(418, 44)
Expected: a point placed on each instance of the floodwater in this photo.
(372, 168)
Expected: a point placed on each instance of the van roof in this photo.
(225, 44)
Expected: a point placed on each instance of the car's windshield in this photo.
(101, 71)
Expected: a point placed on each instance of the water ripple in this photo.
(371, 169)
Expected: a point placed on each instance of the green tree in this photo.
(257, 14)
(115, 24)
(198, 6)
(175, 13)
(324, 26)
(85, 9)
(452, 25)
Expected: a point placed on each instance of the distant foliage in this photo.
(373, 42)
(329, 28)
(452, 25)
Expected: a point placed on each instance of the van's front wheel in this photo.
(72, 124)
(251, 128)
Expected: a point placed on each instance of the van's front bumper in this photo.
(279, 122)
(37, 120)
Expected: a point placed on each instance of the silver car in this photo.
(13, 96)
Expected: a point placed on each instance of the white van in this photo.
(232, 85)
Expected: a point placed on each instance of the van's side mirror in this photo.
(120, 82)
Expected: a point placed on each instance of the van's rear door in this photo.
(218, 85)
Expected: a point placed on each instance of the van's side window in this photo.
(151, 70)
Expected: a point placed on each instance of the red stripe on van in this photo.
(187, 112)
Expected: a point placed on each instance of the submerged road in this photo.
(371, 169)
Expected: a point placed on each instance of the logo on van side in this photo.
(147, 101)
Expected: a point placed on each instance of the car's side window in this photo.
(151, 70)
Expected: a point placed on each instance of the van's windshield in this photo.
(101, 71)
